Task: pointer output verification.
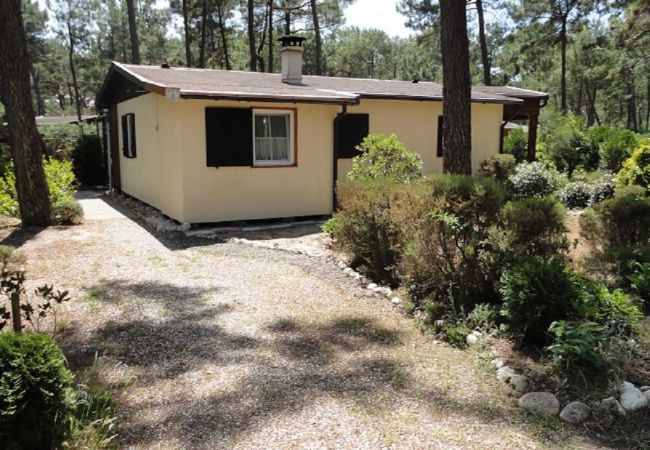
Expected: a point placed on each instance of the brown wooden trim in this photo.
(251, 99)
(422, 98)
(115, 148)
(295, 137)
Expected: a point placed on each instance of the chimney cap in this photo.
(292, 41)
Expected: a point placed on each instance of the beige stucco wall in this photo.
(170, 170)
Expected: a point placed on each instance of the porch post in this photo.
(532, 136)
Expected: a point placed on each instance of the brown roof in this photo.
(260, 86)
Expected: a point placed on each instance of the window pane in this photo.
(279, 126)
(280, 149)
(262, 149)
(261, 126)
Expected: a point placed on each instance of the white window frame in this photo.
(290, 137)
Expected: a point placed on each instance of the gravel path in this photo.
(220, 345)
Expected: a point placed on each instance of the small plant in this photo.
(68, 212)
(575, 195)
(385, 157)
(577, 346)
(516, 144)
(533, 180)
(483, 317)
(636, 169)
(640, 281)
(614, 310)
(36, 396)
(331, 226)
(498, 166)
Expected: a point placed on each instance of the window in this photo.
(128, 135)
(273, 141)
(439, 143)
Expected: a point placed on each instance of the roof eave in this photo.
(424, 98)
(269, 98)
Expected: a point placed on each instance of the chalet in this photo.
(207, 146)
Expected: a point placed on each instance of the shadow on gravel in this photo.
(18, 237)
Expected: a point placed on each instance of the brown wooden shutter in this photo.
(349, 131)
(229, 137)
(125, 136)
(439, 142)
(133, 140)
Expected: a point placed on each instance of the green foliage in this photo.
(60, 181)
(36, 398)
(516, 144)
(533, 180)
(69, 212)
(331, 226)
(566, 145)
(498, 166)
(385, 157)
(614, 310)
(536, 293)
(640, 282)
(636, 169)
(483, 317)
(88, 162)
(577, 346)
(616, 147)
(602, 187)
(576, 195)
(455, 333)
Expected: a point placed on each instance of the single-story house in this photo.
(206, 146)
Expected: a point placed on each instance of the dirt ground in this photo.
(208, 344)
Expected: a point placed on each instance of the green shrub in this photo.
(575, 195)
(614, 310)
(498, 166)
(36, 398)
(639, 279)
(636, 169)
(602, 188)
(88, 161)
(444, 223)
(60, 181)
(616, 147)
(566, 145)
(577, 346)
(69, 212)
(533, 180)
(483, 317)
(534, 227)
(330, 226)
(516, 144)
(455, 333)
(385, 157)
(536, 293)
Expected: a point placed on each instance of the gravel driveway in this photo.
(221, 345)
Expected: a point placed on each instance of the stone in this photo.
(631, 398)
(372, 286)
(575, 412)
(385, 290)
(611, 406)
(342, 265)
(540, 403)
(644, 388)
(185, 227)
(497, 363)
(439, 323)
(348, 270)
(471, 339)
(517, 386)
(396, 300)
(505, 373)
(647, 395)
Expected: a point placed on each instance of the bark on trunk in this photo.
(485, 58)
(224, 40)
(317, 39)
(133, 33)
(563, 90)
(36, 80)
(260, 46)
(270, 63)
(204, 19)
(73, 71)
(456, 138)
(251, 36)
(25, 143)
(188, 42)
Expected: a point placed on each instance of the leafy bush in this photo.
(534, 227)
(536, 293)
(69, 212)
(88, 162)
(516, 144)
(577, 194)
(566, 145)
(640, 281)
(60, 181)
(614, 310)
(533, 180)
(36, 398)
(602, 187)
(444, 223)
(577, 346)
(331, 226)
(498, 166)
(483, 317)
(616, 147)
(385, 157)
(636, 169)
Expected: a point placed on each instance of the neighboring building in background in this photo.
(208, 146)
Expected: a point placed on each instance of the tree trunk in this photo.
(36, 80)
(317, 39)
(204, 19)
(563, 89)
(632, 123)
(262, 42)
(270, 63)
(16, 319)
(188, 42)
(25, 142)
(287, 21)
(647, 104)
(73, 71)
(485, 58)
(456, 90)
(133, 33)
(224, 41)
(251, 36)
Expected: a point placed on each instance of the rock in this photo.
(185, 227)
(632, 399)
(439, 323)
(471, 339)
(505, 373)
(497, 363)
(385, 290)
(396, 300)
(342, 265)
(372, 286)
(517, 386)
(575, 412)
(610, 406)
(348, 270)
(647, 395)
(644, 388)
(540, 403)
